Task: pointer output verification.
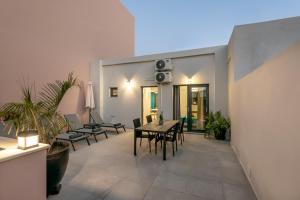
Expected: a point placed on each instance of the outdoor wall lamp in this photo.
(28, 139)
(129, 84)
(190, 81)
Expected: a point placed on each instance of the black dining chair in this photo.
(140, 134)
(170, 137)
(181, 133)
(149, 118)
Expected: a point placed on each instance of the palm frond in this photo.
(53, 93)
(40, 115)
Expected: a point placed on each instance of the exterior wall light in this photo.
(130, 84)
(28, 139)
(190, 81)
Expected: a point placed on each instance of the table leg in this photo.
(134, 143)
(164, 148)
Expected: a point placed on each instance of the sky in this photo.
(173, 25)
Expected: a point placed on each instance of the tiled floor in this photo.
(201, 169)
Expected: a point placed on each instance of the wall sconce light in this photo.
(189, 80)
(28, 139)
(129, 84)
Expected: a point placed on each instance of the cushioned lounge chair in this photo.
(73, 137)
(98, 121)
(75, 125)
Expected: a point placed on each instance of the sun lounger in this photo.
(97, 120)
(73, 137)
(75, 125)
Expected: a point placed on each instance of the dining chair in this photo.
(170, 137)
(149, 118)
(181, 133)
(140, 134)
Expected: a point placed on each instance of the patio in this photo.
(201, 169)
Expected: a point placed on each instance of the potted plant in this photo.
(40, 114)
(209, 122)
(217, 124)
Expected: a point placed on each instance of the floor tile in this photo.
(171, 181)
(157, 193)
(238, 192)
(208, 189)
(127, 190)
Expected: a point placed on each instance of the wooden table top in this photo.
(154, 127)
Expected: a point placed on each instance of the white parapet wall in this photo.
(264, 94)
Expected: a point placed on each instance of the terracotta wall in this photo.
(42, 40)
(24, 177)
(264, 109)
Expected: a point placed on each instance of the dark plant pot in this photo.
(221, 135)
(57, 162)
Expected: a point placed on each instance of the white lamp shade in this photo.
(89, 100)
(26, 141)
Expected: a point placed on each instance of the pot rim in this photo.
(64, 147)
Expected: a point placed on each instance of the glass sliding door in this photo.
(192, 102)
(149, 102)
(180, 106)
(197, 107)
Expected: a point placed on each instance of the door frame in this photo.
(142, 101)
(189, 99)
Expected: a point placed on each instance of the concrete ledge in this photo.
(11, 151)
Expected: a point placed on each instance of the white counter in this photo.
(10, 150)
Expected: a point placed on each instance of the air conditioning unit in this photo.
(163, 77)
(163, 65)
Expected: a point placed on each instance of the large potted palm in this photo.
(40, 113)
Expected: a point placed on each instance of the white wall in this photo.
(259, 42)
(201, 69)
(264, 107)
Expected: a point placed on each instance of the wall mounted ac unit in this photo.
(163, 77)
(163, 65)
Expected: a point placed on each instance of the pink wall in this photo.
(264, 110)
(24, 177)
(42, 40)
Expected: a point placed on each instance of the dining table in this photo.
(155, 127)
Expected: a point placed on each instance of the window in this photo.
(113, 92)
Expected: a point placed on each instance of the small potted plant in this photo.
(40, 114)
(217, 124)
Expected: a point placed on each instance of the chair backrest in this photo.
(149, 118)
(182, 124)
(73, 121)
(136, 124)
(177, 126)
(96, 117)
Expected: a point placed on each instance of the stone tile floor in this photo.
(201, 169)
